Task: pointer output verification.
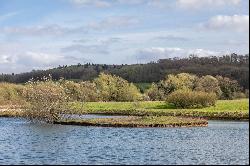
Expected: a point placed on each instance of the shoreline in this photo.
(130, 125)
(230, 110)
(138, 122)
(17, 113)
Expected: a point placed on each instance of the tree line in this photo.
(233, 66)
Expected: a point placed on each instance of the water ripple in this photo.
(219, 143)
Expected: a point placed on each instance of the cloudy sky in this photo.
(40, 34)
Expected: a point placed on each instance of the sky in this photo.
(42, 34)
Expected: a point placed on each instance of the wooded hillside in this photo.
(233, 66)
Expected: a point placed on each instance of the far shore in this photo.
(146, 114)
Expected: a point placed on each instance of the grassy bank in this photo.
(148, 121)
(224, 109)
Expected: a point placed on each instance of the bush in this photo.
(113, 88)
(155, 93)
(72, 90)
(239, 95)
(180, 81)
(47, 100)
(228, 87)
(90, 91)
(191, 99)
(247, 93)
(83, 91)
(208, 84)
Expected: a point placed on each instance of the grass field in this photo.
(224, 109)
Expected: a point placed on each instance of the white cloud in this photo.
(238, 23)
(131, 2)
(163, 4)
(156, 53)
(184, 4)
(40, 58)
(203, 4)
(114, 23)
(236, 42)
(109, 23)
(8, 15)
(107, 3)
(51, 30)
(171, 38)
(86, 49)
(100, 41)
(4, 59)
(95, 3)
(31, 59)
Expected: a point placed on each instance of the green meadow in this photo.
(224, 109)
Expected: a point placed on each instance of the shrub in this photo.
(180, 81)
(90, 91)
(83, 91)
(47, 100)
(239, 95)
(155, 93)
(247, 93)
(191, 99)
(208, 84)
(113, 88)
(228, 87)
(72, 90)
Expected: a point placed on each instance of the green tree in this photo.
(228, 87)
(156, 93)
(208, 83)
(176, 82)
(72, 90)
(90, 91)
(113, 88)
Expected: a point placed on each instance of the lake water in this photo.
(222, 142)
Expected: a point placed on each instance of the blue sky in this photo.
(40, 34)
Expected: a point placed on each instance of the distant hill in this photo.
(233, 66)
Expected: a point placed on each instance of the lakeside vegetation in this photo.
(223, 109)
(182, 96)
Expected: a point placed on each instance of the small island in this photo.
(147, 121)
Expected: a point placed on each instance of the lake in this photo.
(222, 142)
